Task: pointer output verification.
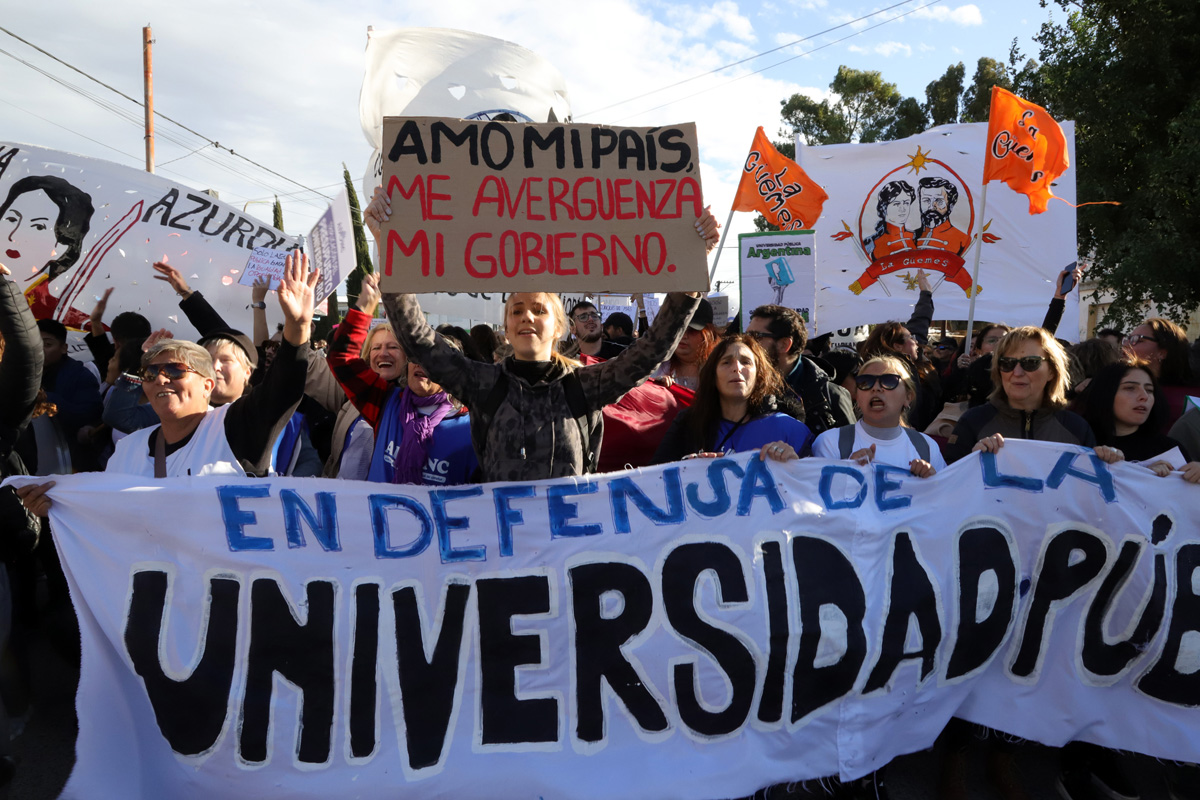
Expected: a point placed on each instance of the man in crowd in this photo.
(619, 328)
(74, 390)
(783, 334)
(585, 327)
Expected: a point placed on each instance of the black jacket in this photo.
(20, 377)
(826, 405)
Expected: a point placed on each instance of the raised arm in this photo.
(199, 311)
(364, 387)
(467, 380)
(1059, 302)
(96, 338)
(922, 316)
(607, 382)
(21, 366)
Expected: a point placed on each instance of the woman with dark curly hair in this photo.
(1163, 345)
(735, 409)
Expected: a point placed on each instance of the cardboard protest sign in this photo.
(778, 268)
(493, 206)
(693, 630)
(264, 263)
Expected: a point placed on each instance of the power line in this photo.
(212, 142)
(748, 58)
(779, 63)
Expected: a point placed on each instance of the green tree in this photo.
(977, 100)
(1124, 70)
(277, 215)
(864, 106)
(943, 97)
(362, 252)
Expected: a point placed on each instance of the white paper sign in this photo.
(331, 246)
(777, 268)
(264, 263)
(630, 635)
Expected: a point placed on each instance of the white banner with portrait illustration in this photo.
(900, 206)
(694, 630)
(74, 226)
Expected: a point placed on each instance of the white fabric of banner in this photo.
(694, 630)
(879, 188)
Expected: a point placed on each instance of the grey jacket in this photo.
(533, 434)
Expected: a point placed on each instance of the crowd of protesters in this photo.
(553, 392)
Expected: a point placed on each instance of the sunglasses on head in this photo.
(174, 370)
(1028, 363)
(888, 380)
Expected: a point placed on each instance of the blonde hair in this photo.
(188, 353)
(239, 355)
(553, 301)
(365, 353)
(906, 377)
(1055, 395)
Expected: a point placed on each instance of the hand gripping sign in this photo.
(486, 206)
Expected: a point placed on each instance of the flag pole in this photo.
(720, 245)
(975, 270)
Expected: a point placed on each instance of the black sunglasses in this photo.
(759, 335)
(174, 370)
(1028, 363)
(888, 380)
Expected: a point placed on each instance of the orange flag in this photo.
(1026, 148)
(775, 186)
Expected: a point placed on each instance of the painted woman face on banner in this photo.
(42, 224)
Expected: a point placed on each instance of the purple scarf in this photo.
(417, 432)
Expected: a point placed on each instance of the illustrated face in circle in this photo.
(897, 210)
(28, 234)
(935, 207)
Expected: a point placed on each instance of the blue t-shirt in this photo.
(754, 434)
(450, 460)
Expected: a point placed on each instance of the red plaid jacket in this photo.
(363, 386)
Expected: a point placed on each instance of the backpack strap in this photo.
(481, 417)
(577, 403)
(845, 440)
(919, 442)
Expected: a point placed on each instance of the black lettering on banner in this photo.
(209, 218)
(556, 138)
(486, 139)
(982, 551)
(911, 595)
(364, 672)
(409, 143)
(1169, 680)
(825, 576)
(770, 704)
(597, 646)
(1058, 580)
(506, 718)
(202, 203)
(630, 148)
(601, 149)
(166, 204)
(302, 654)
(1109, 660)
(428, 685)
(191, 711)
(468, 136)
(681, 572)
(672, 140)
(242, 227)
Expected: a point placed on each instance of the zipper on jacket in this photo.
(1027, 425)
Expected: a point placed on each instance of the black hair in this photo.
(486, 341)
(941, 183)
(887, 194)
(783, 322)
(463, 338)
(129, 325)
(579, 305)
(54, 328)
(1102, 392)
(74, 215)
(621, 321)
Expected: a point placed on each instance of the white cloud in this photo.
(724, 14)
(926, 48)
(968, 15)
(784, 37)
(885, 49)
(855, 23)
(809, 5)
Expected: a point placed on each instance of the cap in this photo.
(703, 316)
(238, 338)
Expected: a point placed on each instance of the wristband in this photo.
(133, 379)
(261, 305)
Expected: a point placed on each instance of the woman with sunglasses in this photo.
(1123, 406)
(194, 438)
(735, 409)
(1163, 345)
(1030, 375)
(884, 388)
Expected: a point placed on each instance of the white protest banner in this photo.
(109, 224)
(899, 206)
(777, 268)
(720, 307)
(616, 304)
(331, 245)
(436, 72)
(694, 630)
(264, 263)
(495, 206)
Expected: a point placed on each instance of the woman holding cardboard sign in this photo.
(536, 414)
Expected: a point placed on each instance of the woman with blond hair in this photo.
(883, 390)
(1030, 373)
(536, 414)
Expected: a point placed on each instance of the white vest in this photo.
(206, 453)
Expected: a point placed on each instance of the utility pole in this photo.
(148, 71)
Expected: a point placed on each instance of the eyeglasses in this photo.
(1134, 340)
(1028, 363)
(587, 316)
(174, 370)
(759, 335)
(888, 380)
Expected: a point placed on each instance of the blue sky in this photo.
(278, 80)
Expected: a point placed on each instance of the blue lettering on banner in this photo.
(445, 524)
(825, 487)
(716, 479)
(993, 478)
(624, 489)
(562, 512)
(506, 516)
(1101, 476)
(884, 484)
(323, 524)
(381, 504)
(237, 519)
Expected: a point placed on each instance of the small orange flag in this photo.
(776, 187)
(1026, 148)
